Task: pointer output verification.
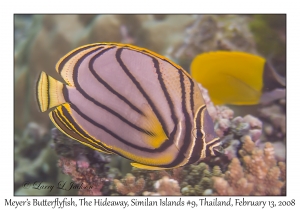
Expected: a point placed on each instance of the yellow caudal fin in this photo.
(141, 166)
(156, 135)
(49, 92)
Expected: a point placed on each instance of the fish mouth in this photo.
(223, 143)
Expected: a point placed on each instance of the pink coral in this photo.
(165, 186)
(129, 186)
(260, 174)
(83, 175)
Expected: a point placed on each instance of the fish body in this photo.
(237, 78)
(132, 102)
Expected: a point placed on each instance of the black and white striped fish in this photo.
(129, 101)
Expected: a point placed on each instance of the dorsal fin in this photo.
(65, 66)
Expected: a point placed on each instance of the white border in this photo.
(154, 6)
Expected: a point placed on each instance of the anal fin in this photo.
(66, 124)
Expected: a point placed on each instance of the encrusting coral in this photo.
(259, 173)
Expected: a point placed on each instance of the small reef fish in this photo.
(129, 101)
(237, 78)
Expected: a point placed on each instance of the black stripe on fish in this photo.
(48, 93)
(97, 103)
(146, 52)
(78, 132)
(107, 86)
(59, 120)
(68, 124)
(140, 88)
(102, 127)
(65, 93)
(62, 123)
(69, 121)
(168, 98)
(212, 146)
(67, 58)
(37, 92)
(199, 144)
(188, 125)
(192, 96)
(187, 139)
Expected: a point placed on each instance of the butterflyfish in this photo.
(129, 101)
(237, 78)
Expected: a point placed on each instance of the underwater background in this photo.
(46, 157)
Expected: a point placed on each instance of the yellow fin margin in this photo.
(64, 125)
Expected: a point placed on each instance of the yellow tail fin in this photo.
(49, 92)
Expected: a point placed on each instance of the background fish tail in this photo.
(272, 79)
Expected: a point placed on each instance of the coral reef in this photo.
(128, 185)
(259, 173)
(276, 118)
(85, 177)
(239, 126)
(86, 166)
(150, 177)
(198, 179)
(252, 172)
(165, 186)
(231, 129)
(248, 169)
(274, 127)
